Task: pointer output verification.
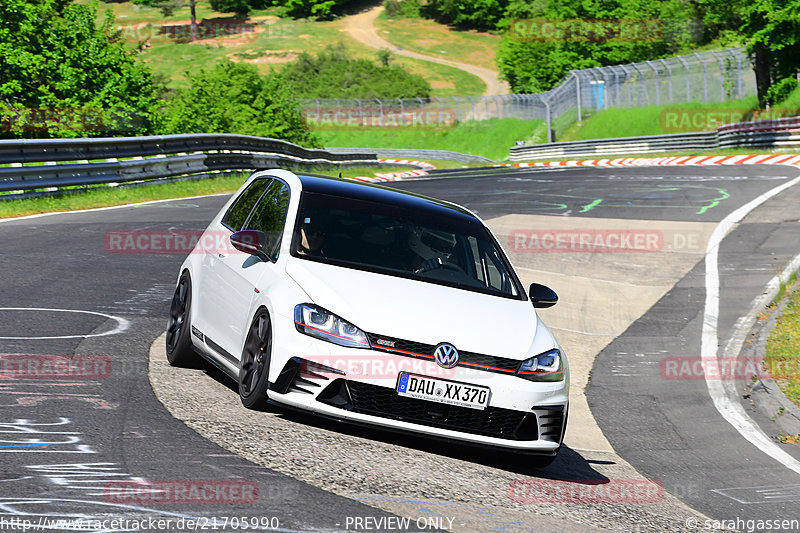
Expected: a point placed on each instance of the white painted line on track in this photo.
(728, 406)
(122, 324)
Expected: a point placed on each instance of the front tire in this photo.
(254, 366)
(179, 342)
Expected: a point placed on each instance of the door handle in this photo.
(222, 256)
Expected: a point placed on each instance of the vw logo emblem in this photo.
(445, 355)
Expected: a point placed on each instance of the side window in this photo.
(237, 214)
(269, 215)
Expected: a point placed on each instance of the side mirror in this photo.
(542, 296)
(251, 242)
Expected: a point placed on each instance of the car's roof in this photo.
(375, 193)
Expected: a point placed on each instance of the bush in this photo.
(240, 7)
(235, 98)
(333, 73)
(403, 8)
(781, 90)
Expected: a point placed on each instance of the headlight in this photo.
(547, 366)
(317, 322)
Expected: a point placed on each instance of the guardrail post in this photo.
(688, 83)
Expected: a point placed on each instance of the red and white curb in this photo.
(768, 159)
(393, 176)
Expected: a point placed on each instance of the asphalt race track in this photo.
(69, 440)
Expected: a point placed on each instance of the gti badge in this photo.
(446, 355)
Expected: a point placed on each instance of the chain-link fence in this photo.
(714, 76)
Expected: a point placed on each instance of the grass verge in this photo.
(489, 138)
(113, 196)
(659, 120)
(783, 345)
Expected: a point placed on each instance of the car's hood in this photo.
(419, 311)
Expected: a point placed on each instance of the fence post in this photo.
(669, 78)
(705, 78)
(627, 82)
(643, 84)
(472, 104)
(721, 75)
(456, 101)
(738, 74)
(688, 83)
(655, 73)
(578, 93)
(380, 109)
(549, 117)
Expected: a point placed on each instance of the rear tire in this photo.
(179, 343)
(254, 365)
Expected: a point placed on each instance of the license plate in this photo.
(443, 391)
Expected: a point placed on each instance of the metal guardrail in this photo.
(408, 153)
(774, 133)
(97, 159)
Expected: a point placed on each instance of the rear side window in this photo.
(269, 215)
(238, 212)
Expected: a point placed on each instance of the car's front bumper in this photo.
(522, 415)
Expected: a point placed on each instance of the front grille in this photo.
(384, 402)
(489, 363)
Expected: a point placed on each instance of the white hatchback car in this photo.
(370, 305)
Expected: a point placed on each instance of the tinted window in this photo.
(455, 251)
(269, 215)
(238, 212)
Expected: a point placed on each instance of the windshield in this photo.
(396, 241)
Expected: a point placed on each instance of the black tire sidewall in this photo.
(258, 396)
(183, 353)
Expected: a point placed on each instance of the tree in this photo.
(168, 7)
(771, 32)
(234, 98)
(545, 40)
(62, 74)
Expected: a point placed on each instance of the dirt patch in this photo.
(438, 84)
